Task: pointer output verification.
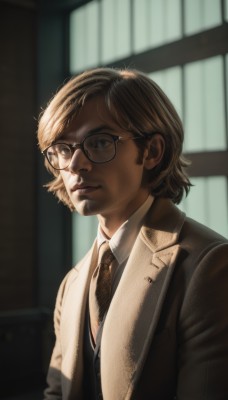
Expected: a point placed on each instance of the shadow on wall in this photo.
(26, 342)
(34, 395)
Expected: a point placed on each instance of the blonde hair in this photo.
(137, 104)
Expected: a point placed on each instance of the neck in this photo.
(109, 227)
(111, 222)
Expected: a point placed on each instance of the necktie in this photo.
(100, 288)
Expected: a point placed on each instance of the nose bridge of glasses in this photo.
(76, 146)
(74, 154)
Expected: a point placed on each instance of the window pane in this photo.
(226, 10)
(155, 22)
(92, 32)
(141, 25)
(115, 29)
(207, 203)
(201, 14)
(170, 81)
(156, 13)
(172, 20)
(122, 28)
(84, 233)
(195, 204)
(204, 105)
(77, 40)
(108, 31)
(226, 66)
(84, 52)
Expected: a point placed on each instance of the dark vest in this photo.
(91, 379)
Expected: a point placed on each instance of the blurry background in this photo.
(183, 46)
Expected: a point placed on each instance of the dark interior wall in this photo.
(18, 156)
(54, 219)
(35, 234)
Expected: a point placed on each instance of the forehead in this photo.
(94, 116)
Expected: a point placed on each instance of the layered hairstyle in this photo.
(137, 105)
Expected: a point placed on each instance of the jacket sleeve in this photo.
(54, 389)
(203, 331)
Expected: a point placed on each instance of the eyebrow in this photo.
(98, 129)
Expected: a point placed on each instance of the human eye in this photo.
(99, 142)
(63, 150)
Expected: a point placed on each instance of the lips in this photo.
(84, 187)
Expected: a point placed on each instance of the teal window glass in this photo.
(207, 203)
(155, 23)
(226, 66)
(204, 106)
(140, 23)
(115, 27)
(201, 15)
(84, 233)
(170, 81)
(84, 40)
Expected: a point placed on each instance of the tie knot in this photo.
(105, 255)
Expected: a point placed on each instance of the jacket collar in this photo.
(162, 225)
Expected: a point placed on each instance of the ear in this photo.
(154, 152)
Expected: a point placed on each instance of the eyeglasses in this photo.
(98, 148)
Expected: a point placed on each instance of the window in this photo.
(115, 30)
(205, 105)
(207, 202)
(201, 15)
(84, 232)
(182, 45)
(170, 80)
(84, 37)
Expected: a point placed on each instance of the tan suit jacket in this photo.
(166, 332)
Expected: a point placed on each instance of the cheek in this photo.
(65, 180)
(126, 177)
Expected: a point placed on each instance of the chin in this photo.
(87, 209)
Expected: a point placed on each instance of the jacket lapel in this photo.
(135, 309)
(72, 322)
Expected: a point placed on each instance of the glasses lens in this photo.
(59, 155)
(100, 148)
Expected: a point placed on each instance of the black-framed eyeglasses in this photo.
(98, 148)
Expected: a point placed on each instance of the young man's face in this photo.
(112, 190)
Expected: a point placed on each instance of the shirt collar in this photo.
(123, 239)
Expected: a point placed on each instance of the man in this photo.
(113, 142)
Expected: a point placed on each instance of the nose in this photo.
(79, 162)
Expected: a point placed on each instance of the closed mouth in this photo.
(84, 187)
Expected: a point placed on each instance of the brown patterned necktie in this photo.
(100, 288)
